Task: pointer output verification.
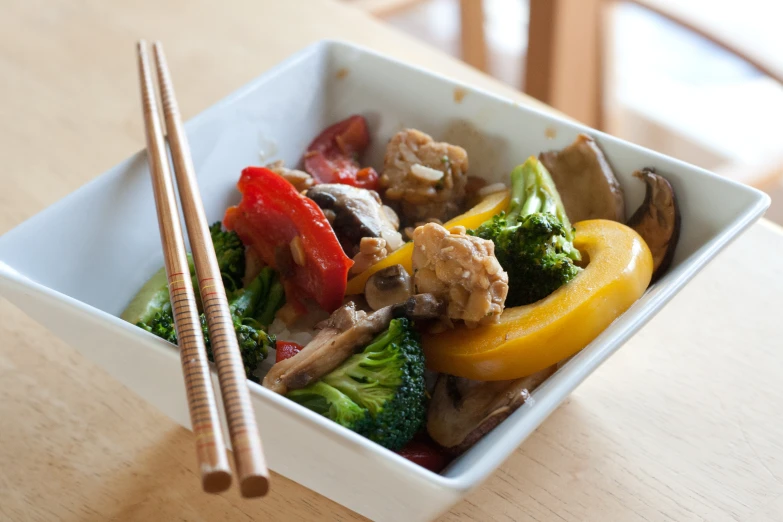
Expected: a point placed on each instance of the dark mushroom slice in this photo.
(657, 220)
(462, 410)
(357, 213)
(339, 336)
(421, 307)
(585, 181)
(388, 287)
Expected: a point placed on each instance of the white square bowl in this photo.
(75, 265)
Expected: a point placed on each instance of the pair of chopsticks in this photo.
(210, 446)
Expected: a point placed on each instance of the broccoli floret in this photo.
(244, 304)
(161, 324)
(379, 392)
(154, 295)
(251, 308)
(534, 240)
(230, 253)
(330, 402)
(253, 342)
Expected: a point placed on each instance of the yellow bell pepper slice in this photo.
(533, 337)
(489, 206)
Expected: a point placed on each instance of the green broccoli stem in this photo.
(328, 401)
(246, 301)
(260, 300)
(533, 191)
(274, 301)
(393, 333)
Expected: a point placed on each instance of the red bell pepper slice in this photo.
(426, 454)
(285, 350)
(270, 216)
(332, 157)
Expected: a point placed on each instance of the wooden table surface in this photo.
(682, 424)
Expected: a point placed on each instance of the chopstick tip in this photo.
(216, 481)
(254, 486)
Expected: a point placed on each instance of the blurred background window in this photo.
(700, 80)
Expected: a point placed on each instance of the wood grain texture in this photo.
(563, 64)
(682, 424)
(473, 42)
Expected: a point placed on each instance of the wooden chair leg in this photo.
(473, 42)
(564, 57)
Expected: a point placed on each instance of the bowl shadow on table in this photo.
(162, 476)
(154, 482)
(154, 475)
(163, 479)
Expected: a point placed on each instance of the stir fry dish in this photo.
(417, 305)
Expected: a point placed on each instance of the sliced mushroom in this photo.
(339, 336)
(387, 287)
(421, 307)
(342, 319)
(585, 181)
(462, 411)
(657, 220)
(358, 213)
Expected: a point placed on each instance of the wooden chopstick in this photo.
(243, 430)
(210, 446)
